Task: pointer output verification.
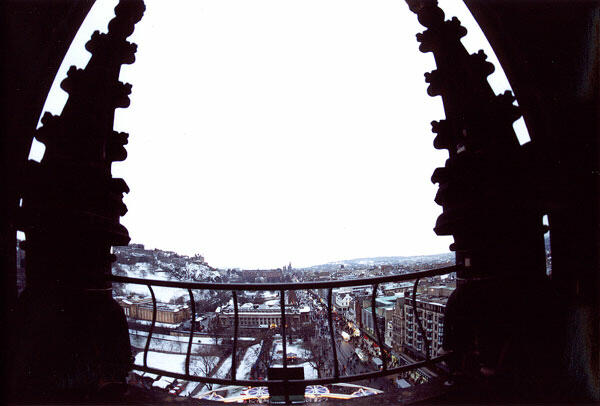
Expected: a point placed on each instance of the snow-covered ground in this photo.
(179, 344)
(269, 294)
(171, 345)
(166, 362)
(198, 339)
(164, 271)
(148, 374)
(292, 347)
(158, 344)
(243, 370)
(157, 323)
(163, 382)
(199, 365)
(203, 365)
(144, 270)
(222, 372)
(176, 362)
(163, 294)
(310, 372)
(190, 388)
(224, 369)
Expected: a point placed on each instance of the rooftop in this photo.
(168, 307)
(424, 298)
(264, 308)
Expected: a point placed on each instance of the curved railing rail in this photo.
(282, 288)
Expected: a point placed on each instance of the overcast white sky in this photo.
(269, 131)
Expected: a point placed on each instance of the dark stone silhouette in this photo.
(72, 340)
(505, 322)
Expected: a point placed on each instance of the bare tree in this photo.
(203, 364)
(314, 358)
(313, 348)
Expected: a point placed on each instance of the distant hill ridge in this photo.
(136, 261)
(392, 260)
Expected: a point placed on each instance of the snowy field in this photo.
(176, 362)
(171, 343)
(198, 339)
(166, 362)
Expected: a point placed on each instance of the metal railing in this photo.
(282, 288)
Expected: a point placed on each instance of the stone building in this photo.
(396, 288)
(142, 309)
(261, 316)
(398, 325)
(431, 313)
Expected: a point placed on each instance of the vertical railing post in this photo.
(376, 326)
(283, 321)
(235, 335)
(192, 328)
(284, 342)
(336, 369)
(147, 347)
(418, 319)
